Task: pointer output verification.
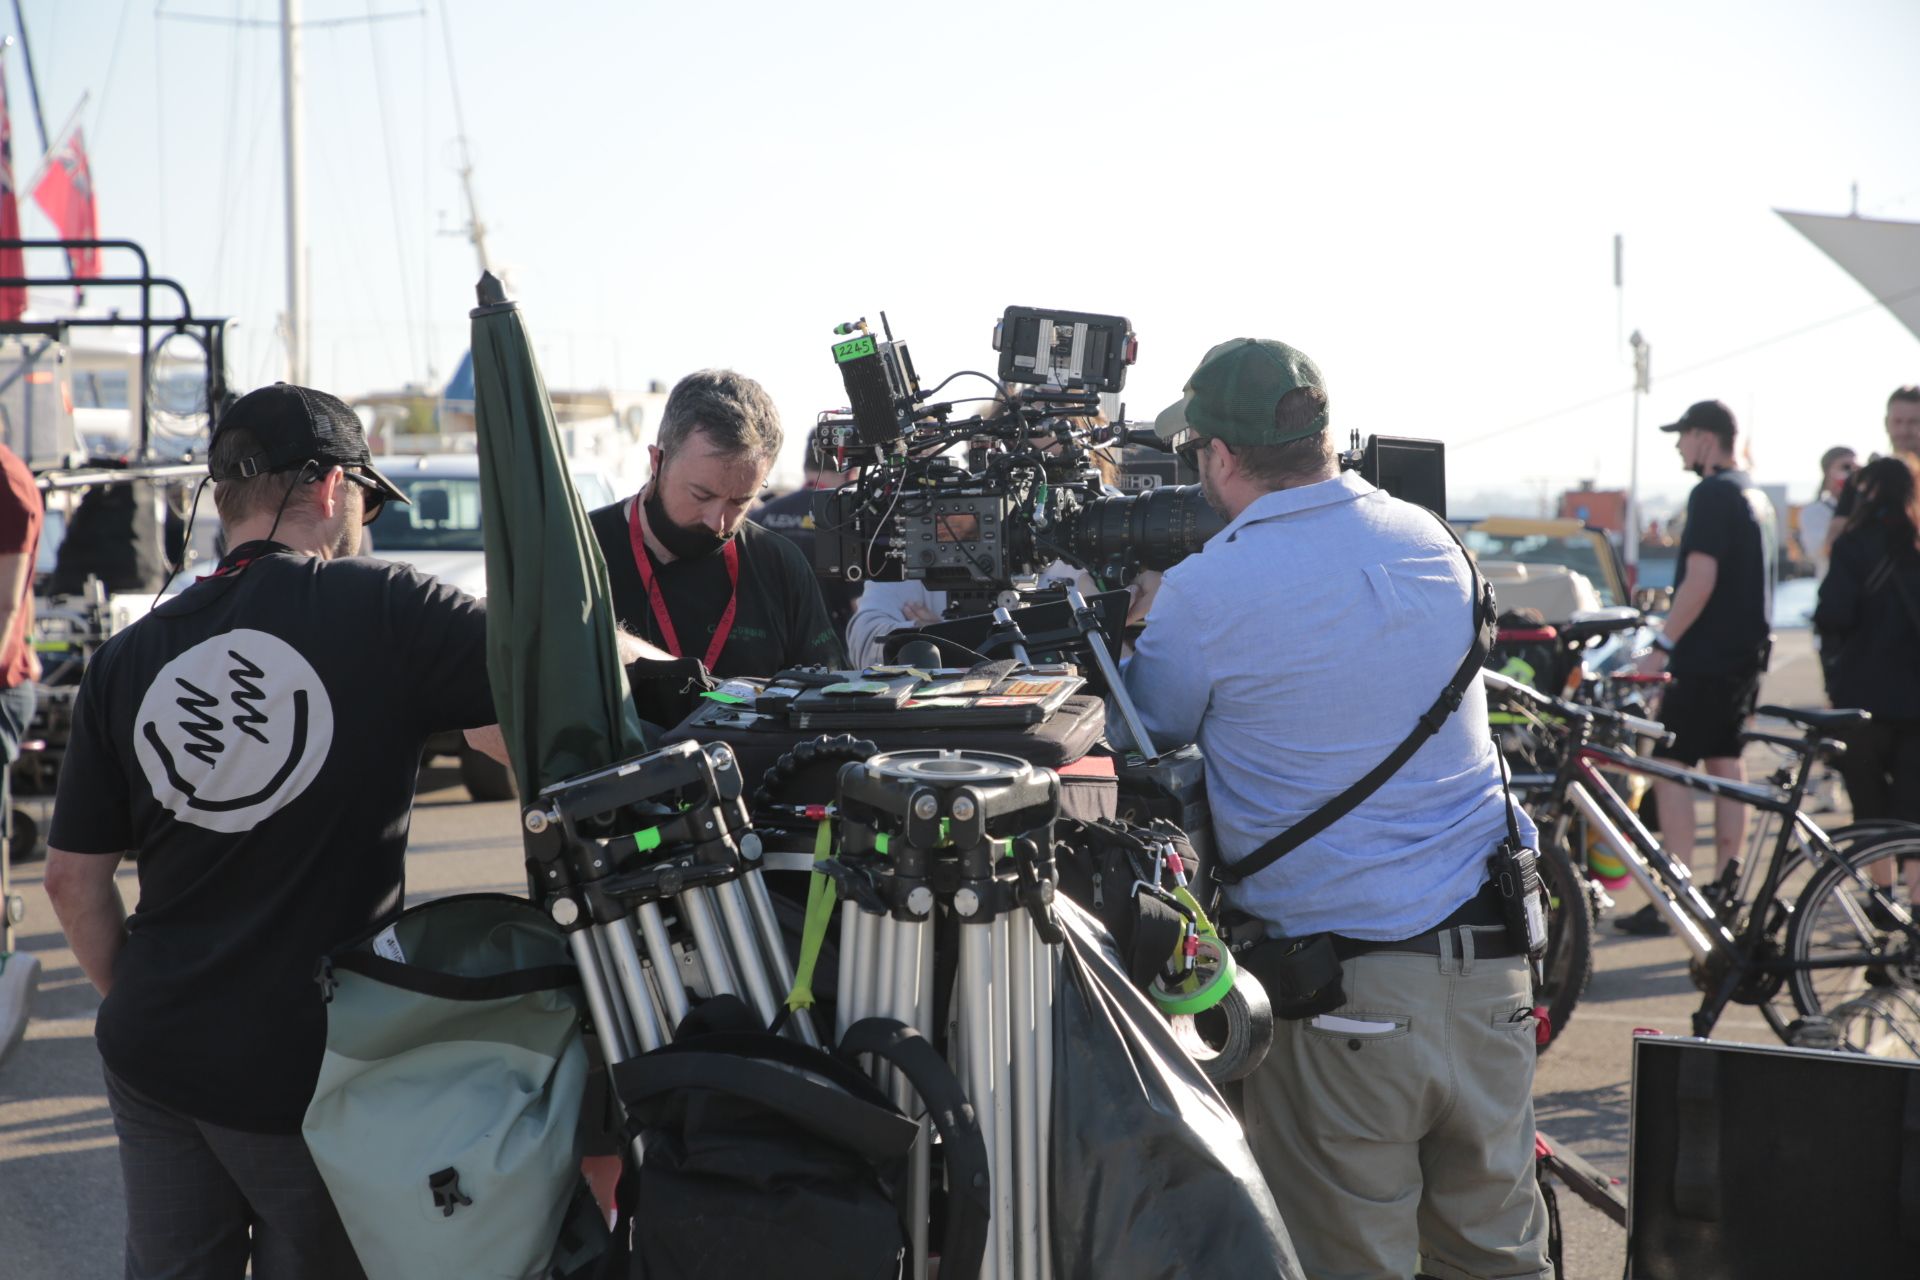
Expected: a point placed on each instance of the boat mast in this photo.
(295, 321)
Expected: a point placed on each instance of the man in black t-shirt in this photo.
(255, 740)
(1716, 638)
(690, 574)
(791, 516)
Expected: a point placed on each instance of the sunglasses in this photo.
(374, 497)
(1187, 446)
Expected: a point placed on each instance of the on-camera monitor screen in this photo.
(960, 526)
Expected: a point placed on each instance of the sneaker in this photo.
(1644, 923)
(1880, 915)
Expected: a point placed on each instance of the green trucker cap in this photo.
(1234, 392)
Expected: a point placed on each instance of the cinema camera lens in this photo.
(1155, 530)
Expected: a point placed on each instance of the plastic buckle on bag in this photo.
(324, 976)
(447, 1195)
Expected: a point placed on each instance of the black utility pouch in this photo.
(1301, 975)
(1523, 897)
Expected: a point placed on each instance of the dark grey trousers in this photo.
(203, 1200)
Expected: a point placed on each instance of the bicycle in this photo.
(1845, 946)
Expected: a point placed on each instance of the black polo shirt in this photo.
(779, 620)
(256, 739)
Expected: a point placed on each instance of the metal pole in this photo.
(296, 321)
(1641, 360)
(666, 971)
(33, 81)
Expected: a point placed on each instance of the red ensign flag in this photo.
(13, 302)
(65, 194)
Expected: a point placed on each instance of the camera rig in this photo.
(980, 504)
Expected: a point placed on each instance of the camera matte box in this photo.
(1754, 1161)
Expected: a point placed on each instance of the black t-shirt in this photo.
(791, 516)
(779, 621)
(1730, 520)
(257, 739)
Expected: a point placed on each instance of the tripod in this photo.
(655, 855)
(965, 836)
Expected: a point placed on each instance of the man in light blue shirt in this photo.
(1299, 649)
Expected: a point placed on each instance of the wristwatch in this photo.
(1663, 642)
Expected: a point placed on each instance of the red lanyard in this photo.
(644, 563)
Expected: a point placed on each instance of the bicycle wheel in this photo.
(1856, 967)
(1567, 967)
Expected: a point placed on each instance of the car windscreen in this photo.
(1575, 551)
(445, 512)
(443, 515)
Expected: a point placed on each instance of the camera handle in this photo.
(1088, 624)
(1006, 634)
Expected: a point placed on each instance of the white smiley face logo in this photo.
(232, 730)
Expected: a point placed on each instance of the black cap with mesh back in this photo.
(1707, 415)
(294, 426)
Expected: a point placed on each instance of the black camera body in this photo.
(981, 505)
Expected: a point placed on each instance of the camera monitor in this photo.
(1411, 470)
(1064, 348)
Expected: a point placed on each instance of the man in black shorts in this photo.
(690, 574)
(256, 739)
(1716, 639)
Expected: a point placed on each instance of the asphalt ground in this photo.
(60, 1206)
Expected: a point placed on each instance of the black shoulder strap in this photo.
(969, 1194)
(1485, 620)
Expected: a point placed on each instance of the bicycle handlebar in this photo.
(1576, 710)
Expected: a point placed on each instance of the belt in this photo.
(1481, 913)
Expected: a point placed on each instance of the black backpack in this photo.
(765, 1157)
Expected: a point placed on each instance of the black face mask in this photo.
(684, 543)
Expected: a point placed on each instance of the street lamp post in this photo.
(1642, 354)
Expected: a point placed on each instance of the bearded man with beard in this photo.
(1298, 649)
(690, 574)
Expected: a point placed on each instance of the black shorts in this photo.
(1705, 712)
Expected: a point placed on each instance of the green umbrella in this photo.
(558, 685)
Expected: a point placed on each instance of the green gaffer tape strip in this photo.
(820, 899)
(853, 349)
(646, 840)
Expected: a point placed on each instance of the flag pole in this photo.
(33, 81)
(46, 157)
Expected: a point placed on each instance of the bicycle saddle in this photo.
(1823, 721)
(1600, 622)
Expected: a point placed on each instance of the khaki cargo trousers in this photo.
(1397, 1131)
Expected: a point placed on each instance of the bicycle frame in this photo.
(1668, 881)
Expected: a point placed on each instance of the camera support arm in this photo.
(1088, 624)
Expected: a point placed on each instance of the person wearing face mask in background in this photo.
(690, 574)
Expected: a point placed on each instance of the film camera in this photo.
(977, 503)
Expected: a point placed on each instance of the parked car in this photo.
(438, 533)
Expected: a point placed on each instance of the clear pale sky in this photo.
(1423, 197)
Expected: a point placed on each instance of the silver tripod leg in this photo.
(609, 975)
(600, 1007)
(634, 984)
(1023, 1047)
(1046, 971)
(973, 996)
(773, 943)
(912, 1003)
(843, 1012)
(1006, 1164)
(698, 911)
(666, 970)
(743, 948)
